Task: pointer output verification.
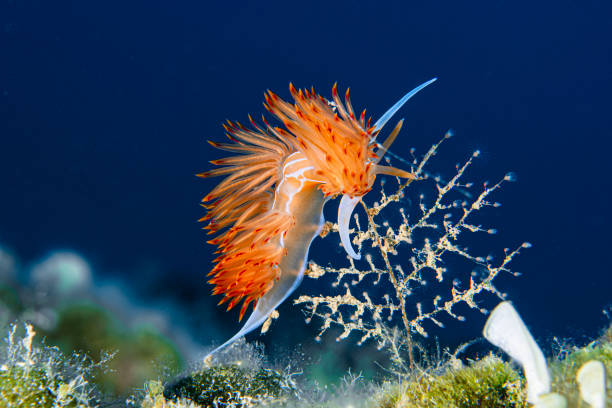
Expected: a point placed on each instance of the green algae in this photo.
(34, 375)
(489, 382)
(40, 376)
(21, 388)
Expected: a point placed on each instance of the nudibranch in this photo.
(269, 207)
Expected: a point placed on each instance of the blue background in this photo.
(105, 109)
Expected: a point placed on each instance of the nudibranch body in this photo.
(270, 206)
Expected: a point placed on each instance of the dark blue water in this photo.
(105, 109)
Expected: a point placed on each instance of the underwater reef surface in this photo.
(78, 351)
(35, 375)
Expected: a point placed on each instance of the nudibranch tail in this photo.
(269, 207)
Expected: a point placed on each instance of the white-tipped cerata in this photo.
(345, 210)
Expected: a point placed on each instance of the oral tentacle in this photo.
(392, 171)
(345, 210)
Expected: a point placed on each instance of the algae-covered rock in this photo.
(19, 387)
(61, 274)
(154, 398)
(229, 384)
(489, 382)
(69, 311)
(39, 376)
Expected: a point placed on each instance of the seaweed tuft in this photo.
(489, 382)
(40, 376)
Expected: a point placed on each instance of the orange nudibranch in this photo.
(269, 207)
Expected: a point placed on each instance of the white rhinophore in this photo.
(591, 378)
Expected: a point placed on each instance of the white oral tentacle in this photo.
(345, 210)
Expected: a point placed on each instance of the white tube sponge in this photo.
(592, 380)
(552, 400)
(506, 330)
